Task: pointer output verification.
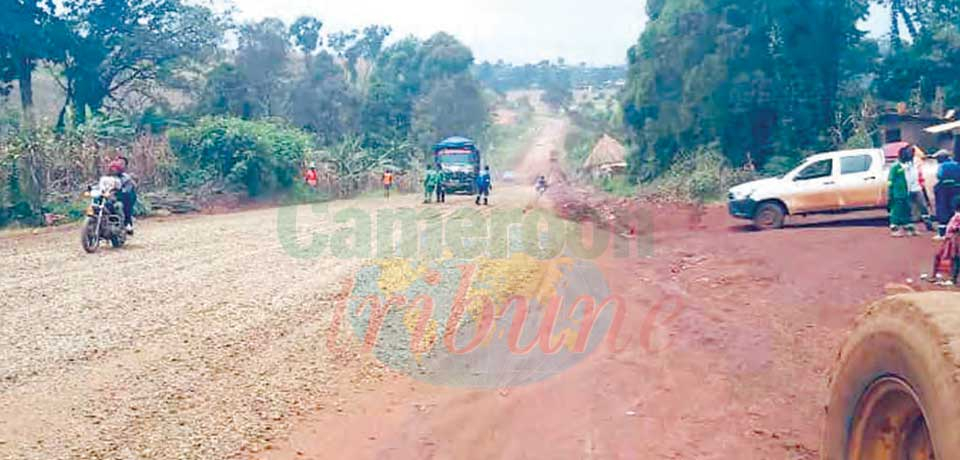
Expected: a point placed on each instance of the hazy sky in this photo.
(518, 31)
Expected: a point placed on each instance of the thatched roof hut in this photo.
(607, 157)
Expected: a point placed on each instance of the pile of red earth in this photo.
(627, 217)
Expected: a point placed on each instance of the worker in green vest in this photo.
(429, 184)
(441, 179)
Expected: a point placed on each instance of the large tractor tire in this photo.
(895, 392)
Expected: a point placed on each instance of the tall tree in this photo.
(355, 45)
(750, 76)
(306, 34)
(454, 106)
(262, 60)
(322, 100)
(119, 43)
(29, 32)
(927, 62)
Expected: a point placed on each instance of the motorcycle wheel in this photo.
(117, 241)
(89, 238)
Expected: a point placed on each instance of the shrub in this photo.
(39, 168)
(258, 157)
(698, 176)
(619, 186)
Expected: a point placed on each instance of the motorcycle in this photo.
(104, 218)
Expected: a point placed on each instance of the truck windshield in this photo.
(456, 158)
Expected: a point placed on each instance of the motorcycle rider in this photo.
(541, 185)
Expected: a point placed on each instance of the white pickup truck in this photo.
(833, 182)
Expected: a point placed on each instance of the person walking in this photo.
(441, 180)
(387, 183)
(899, 196)
(429, 184)
(484, 186)
(917, 192)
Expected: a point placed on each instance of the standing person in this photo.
(917, 192)
(429, 184)
(311, 177)
(484, 186)
(127, 194)
(899, 196)
(387, 183)
(947, 190)
(441, 180)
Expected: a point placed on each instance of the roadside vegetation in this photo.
(742, 80)
(113, 77)
(768, 81)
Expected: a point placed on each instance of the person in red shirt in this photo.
(311, 177)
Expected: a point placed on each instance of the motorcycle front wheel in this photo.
(90, 237)
(118, 240)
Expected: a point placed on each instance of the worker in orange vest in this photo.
(387, 183)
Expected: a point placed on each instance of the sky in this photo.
(597, 32)
(517, 31)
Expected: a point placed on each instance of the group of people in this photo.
(435, 180)
(434, 183)
(908, 198)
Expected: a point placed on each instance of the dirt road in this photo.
(205, 338)
(739, 373)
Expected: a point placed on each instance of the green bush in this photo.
(259, 157)
(700, 176)
(619, 186)
(578, 145)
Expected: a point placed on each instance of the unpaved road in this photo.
(206, 339)
(740, 373)
(197, 339)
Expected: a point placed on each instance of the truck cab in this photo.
(459, 159)
(832, 182)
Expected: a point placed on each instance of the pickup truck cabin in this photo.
(826, 183)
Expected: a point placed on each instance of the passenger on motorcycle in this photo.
(127, 193)
(111, 186)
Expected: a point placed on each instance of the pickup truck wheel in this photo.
(894, 394)
(769, 216)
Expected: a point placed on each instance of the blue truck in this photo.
(459, 159)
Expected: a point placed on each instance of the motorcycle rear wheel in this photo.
(90, 238)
